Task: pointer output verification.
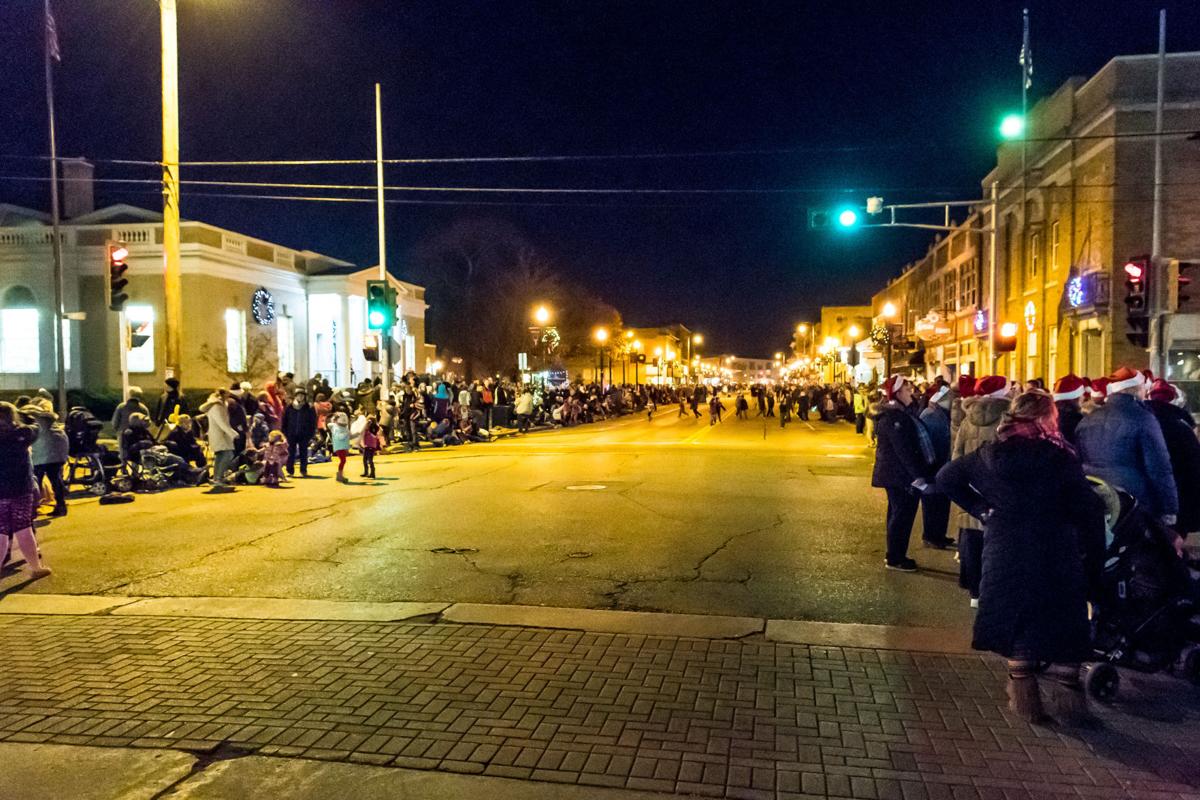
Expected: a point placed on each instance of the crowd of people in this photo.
(1022, 466)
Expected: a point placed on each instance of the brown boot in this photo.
(1066, 698)
(1025, 700)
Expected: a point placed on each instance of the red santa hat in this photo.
(1069, 387)
(1161, 390)
(937, 390)
(992, 386)
(966, 385)
(1125, 378)
(1100, 388)
(892, 385)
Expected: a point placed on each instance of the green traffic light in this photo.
(1012, 126)
(376, 319)
(847, 218)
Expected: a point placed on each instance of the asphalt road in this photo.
(674, 515)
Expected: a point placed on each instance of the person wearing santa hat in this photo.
(964, 389)
(1095, 395)
(981, 416)
(1068, 394)
(1178, 430)
(935, 506)
(1122, 444)
(904, 457)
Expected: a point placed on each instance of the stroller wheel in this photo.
(98, 488)
(1191, 665)
(1102, 681)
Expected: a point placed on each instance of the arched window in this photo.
(19, 332)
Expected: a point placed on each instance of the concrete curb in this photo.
(637, 623)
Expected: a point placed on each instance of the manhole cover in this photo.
(579, 554)
(587, 487)
(453, 551)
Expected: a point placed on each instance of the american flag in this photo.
(52, 35)
(1026, 53)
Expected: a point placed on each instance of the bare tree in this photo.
(258, 365)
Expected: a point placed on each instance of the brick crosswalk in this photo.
(738, 719)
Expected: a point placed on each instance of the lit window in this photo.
(286, 328)
(235, 340)
(19, 341)
(140, 357)
(1054, 245)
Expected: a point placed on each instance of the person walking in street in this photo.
(903, 468)
(982, 413)
(221, 436)
(935, 506)
(1068, 394)
(339, 441)
(18, 496)
(1042, 559)
(860, 410)
(1179, 434)
(370, 445)
(715, 409)
(299, 427)
(741, 407)
(1122, 444)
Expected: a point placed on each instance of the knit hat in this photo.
(1161, 390)
(1125, 378)
(966, 385)
(992, 386)
(1069, 387)
(892, 385)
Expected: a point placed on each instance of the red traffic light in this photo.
(117, 253)
(1135, 270)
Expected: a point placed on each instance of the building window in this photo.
(19, 341)
(235, 340)
(140, 356)
(1031, 356)
(410, 353)
(286, 329)
(1054, 246)
(1035, 255)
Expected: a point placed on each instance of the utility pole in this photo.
(1158, 343)
(172, 268)
(60, 356)
(992, 326)
(386, 335)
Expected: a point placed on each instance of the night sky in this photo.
(891, 98)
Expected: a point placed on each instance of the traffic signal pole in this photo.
(123, 340)
(385, 335)
(60, 360)
(1158, 285)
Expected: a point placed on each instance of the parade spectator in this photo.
(524, 409)
(963, 389)
(18, 496)
(170, 404)
(49, 453)
(1179, 434)
(1043, 552)
(370, 446)
(982, 413)
(1122, 444)
(135, 438)
(275, 455)
(238, 420)
(1068, 395)
(339, 441)
(181, 441)
(903, 468)
(299, 427)
(132, 405)
(935, 506)
(221, 437)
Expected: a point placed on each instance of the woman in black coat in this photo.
(1043, 549)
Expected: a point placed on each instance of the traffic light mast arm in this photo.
(893, 222)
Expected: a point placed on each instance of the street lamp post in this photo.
(172, 270)
(601, 336)
(541, 316)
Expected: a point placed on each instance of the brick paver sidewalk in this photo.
(721, 718)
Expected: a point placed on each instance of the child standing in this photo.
(370, 445)
(339, 437)
(275, 456)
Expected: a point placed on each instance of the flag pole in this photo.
(51, 48)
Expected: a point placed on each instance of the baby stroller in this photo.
(90, 463)
(1147, 617)
(157, 469)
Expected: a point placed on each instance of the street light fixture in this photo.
(854, 331)
(1012, 126)
(889, 310)
(541, 315)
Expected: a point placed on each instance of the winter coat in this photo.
(525, 404)
(237, 416)
(275, 453)
(981, 416)
(1043, 546)
(167, 404)
(220, 433)
(299, 424)
(339, 436)
(937, 421)
(899, 459)
(51, 445)
(1122, 444)
(120, 417)
(1184, 450)
(1069, 417)
(16, 469)
(183, 443)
